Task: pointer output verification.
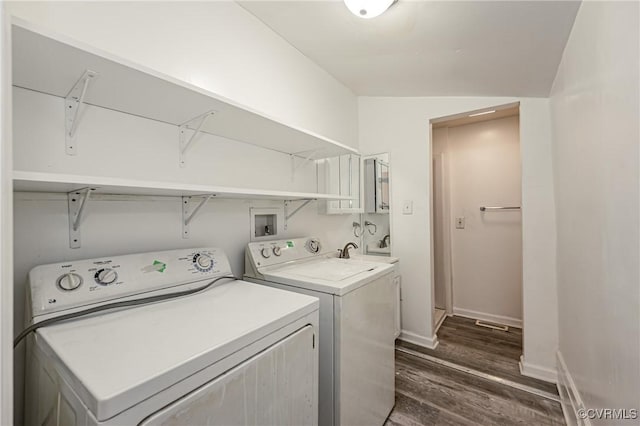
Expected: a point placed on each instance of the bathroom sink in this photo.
(372, 258)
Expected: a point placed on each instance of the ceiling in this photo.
(430, 48)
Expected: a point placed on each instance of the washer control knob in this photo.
(70, 281)
(266, 253)
(203, 262)
(277, 251)
(106, 276)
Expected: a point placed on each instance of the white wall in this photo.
(216, 45)
(483, 169)
(6, 228)
(401, 126)
(595, 111)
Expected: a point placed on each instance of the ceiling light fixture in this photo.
(368, 9)
(482, 113)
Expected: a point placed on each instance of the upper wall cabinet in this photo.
(57, 66)
(376, 185)
(341, 176)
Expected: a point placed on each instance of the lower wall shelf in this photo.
(26, 181)
(79, 188)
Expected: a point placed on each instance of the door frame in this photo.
(441, 160)
(446, 203)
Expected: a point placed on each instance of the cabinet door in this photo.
(276, 387)
(341, 176)
(350, 181)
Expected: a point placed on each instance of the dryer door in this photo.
(277, 386)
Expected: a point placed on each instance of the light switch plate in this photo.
(459, 222)
(407, 207)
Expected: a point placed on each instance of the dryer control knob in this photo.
(266, 253)
(277, 251)
(106, 276)
(203, 261)
(70, 281)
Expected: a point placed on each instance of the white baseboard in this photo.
(437, 327)
(416, 339)
(570, 399)
(537, 371)
(498, 319)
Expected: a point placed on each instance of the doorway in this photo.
(476, 220)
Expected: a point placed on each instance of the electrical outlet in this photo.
(459, 222)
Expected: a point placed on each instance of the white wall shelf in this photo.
(52, 64)
(25, 181)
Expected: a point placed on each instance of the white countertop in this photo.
(327, 274)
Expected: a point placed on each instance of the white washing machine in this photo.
(235, 353)
(357, 333)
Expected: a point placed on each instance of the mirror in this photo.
(376, 234)
(376, 185)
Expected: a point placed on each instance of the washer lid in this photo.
(328, 275)
(115, 360)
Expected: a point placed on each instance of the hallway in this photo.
(429, 393)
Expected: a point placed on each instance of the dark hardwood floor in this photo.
(428, 393)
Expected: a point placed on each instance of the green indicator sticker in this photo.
(289, 243)
(159, 266)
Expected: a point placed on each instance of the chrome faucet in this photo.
(344, 253)
(384, 242)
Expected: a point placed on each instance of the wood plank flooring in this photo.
(428, 393)
(489, 351)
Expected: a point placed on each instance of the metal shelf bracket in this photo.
(188, 214)
(77, 202)
(288, 215)
(305, 157)
(72, 105)
(187, 142)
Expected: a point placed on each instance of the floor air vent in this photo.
(492, 326)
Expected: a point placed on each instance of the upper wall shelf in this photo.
(53, 64)
(24, 181)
